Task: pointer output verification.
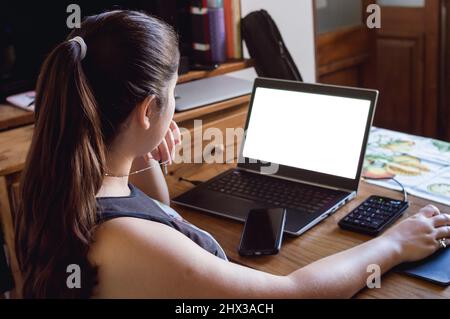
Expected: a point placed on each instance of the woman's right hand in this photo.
(418, 236)
(165, 151)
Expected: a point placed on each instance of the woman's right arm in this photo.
(145, 259)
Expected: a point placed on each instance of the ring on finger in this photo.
(443, 243)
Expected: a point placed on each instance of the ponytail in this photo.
(62, 176)
(83, 98)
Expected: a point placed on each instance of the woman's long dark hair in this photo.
(80, 107)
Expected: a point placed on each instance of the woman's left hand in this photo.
(165, 151)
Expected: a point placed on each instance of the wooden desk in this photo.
(323, 240)
(11, 117)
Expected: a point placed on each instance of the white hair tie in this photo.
(82, 44)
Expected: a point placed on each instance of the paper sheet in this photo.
(421, 164)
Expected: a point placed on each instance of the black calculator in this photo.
(374, 215)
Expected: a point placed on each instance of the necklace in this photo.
(163, 165)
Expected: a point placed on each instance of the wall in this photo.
(295, 19)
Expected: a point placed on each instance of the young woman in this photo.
(105, 101)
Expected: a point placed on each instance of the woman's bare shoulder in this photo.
(144, 259)
(127, 253)
(119, 235)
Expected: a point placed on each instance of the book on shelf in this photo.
(232, 14)
(229, 29)
(217, 31)
(201, 43)
(236, 20)
(216, 35)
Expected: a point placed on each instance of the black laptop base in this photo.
(206, 197)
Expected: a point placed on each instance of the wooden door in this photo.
(444, 110)
(407, 67)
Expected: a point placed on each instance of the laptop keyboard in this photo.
(274, 192)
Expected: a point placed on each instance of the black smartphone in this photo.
(263, 232)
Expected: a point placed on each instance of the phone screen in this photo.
(263, 232)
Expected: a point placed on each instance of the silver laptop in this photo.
(215, 89)
(303, 150)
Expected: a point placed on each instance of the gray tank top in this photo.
(139, 205)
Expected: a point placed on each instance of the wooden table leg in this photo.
(6, 221)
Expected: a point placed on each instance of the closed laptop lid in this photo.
(308, 132)
(215, 89)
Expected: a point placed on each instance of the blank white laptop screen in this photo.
(315, 132)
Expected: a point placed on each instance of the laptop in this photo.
(303, 150)
(215, 89)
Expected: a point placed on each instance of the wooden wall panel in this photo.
(342, 56)
(400, 81)
(347, 77)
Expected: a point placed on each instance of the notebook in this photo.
(435, 268)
